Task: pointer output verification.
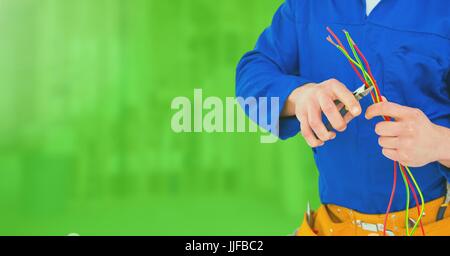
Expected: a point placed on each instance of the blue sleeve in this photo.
(271, 70)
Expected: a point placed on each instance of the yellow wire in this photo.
(408, 196)
(421, 198)
(371, 82)
(355, 54)
(367, 76)
(369, 79)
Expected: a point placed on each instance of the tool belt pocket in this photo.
(321, 224)
(305, 228)
(439, 228)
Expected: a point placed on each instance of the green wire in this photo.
(407, 201)
(356, 64)
(352, 47)
(421, 198)
(368, 79)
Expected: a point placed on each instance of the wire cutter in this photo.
(359, 94)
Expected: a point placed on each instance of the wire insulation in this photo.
(366, 76)
(408, 197)
(391, 200)
(422, 207)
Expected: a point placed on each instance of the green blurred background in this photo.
(86, 142)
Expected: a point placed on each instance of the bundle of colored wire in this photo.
(366, 76)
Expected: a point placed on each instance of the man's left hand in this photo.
(412, 139)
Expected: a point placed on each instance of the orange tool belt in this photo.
(332, 220)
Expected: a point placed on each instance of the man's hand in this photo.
(309, 101)
(412, 139)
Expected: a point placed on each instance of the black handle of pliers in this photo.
(343, 113)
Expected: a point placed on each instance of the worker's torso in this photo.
(408, 46)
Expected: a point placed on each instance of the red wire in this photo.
(351, 63)
(355, 69)
(391, 200)
(415, 198)
(411, 187)
(394, 187)
(368, 69)
(335, 37)
(387, 118)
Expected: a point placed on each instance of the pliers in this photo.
(359, 94)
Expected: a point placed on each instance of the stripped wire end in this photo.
(329, 39)
(335, 37)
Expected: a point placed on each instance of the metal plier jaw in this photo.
(362, 92)
(359, 94)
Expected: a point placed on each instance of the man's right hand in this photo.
(309, 101)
